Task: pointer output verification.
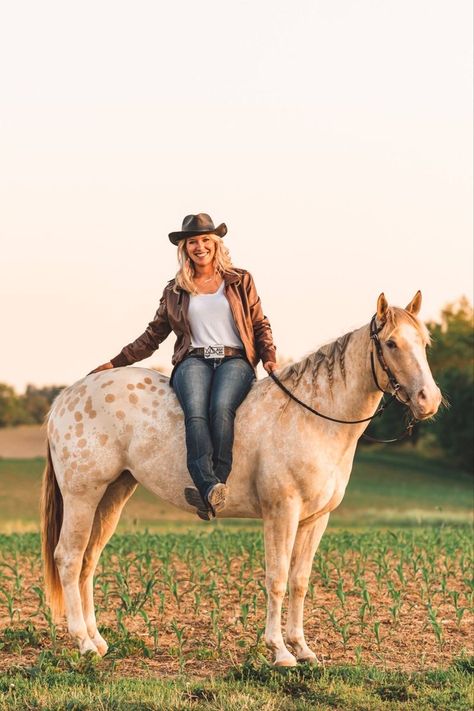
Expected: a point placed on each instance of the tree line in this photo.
(449, 435)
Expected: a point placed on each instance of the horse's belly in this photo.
(328, 489)
(157, 455)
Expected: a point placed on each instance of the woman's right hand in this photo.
(104, 366)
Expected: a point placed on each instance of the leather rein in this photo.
(394, 384)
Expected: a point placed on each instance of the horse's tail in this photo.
(51, 522)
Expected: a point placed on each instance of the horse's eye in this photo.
(391, 344)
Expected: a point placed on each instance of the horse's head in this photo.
(403, 339)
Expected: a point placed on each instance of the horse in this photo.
(117, 428)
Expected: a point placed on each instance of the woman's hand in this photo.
(270, 366)
(104, 366)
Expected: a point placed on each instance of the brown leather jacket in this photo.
(253, 327)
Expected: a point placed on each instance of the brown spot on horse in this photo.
(73, 404)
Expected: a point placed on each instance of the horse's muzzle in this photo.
(426, 402)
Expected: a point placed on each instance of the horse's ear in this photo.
(382, 308)
(415, 304)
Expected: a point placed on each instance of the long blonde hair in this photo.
(185, 275)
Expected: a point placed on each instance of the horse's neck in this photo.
(341, 384)
(362, 392)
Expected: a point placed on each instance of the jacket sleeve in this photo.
(146, 344)
(261, 325)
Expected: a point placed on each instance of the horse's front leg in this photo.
(307, 540)
(279, 527)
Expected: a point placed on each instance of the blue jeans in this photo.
(210, 391)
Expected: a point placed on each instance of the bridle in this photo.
(393, 382)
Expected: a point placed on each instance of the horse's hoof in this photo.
(289, 661)
(308, 660)
(101, 644)
(87, 645)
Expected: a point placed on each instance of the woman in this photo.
(215, 312)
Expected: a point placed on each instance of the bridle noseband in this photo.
(394, 384)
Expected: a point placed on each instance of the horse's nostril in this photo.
(422, 395)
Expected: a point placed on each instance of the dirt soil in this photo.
(216, 635)
(22, 442)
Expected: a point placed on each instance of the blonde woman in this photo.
(215, 312)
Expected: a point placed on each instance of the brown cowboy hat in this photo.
(194, 225)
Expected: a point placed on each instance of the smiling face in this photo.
(201, 250)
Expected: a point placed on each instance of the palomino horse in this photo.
(114, 429)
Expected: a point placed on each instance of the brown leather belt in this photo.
(207, 352)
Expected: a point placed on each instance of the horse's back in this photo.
(130, 418)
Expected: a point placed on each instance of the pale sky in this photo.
(333, 137)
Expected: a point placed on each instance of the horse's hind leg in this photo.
(79, 510)
(307, 540)
(106, 519)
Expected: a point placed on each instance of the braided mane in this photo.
(328, 357)
(333, 355)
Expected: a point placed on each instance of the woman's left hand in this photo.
(270, 366)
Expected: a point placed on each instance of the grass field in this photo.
(182, 604)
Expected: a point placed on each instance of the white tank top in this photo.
(211, 320)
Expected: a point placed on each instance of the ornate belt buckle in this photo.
(214, 352)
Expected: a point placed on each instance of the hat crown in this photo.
(201, 221)
(194, 225)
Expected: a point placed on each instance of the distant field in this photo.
(22, 442)
(388, 487)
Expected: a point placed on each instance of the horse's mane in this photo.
(334, 353)
(328, 355)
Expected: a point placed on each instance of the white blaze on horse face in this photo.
(405, 353)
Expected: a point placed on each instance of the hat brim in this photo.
(176, 237)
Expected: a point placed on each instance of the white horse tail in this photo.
(51, 522)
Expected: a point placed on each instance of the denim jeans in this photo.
(210, 391)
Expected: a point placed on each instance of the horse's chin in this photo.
(421, 414)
